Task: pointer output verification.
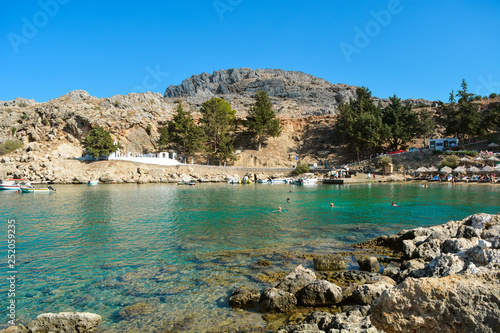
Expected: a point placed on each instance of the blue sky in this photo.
(415, 49)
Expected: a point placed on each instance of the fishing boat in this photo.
(92, 182)
(31, 189)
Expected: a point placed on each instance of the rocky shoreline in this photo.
(444, 278)
(440, 278)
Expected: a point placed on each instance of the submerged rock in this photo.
(329, 263)
(244, 298)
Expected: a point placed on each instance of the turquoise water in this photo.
(182, 249)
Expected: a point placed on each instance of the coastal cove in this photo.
(182, 249)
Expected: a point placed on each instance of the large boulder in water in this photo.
(320, 293)
(297, 279)
(276, 300)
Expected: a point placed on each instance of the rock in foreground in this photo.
(65, 322)
(468, 303)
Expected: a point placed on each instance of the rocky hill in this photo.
(294, 94)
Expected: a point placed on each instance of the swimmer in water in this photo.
(331, 204)
(394, 204)
(280, 209)
(287, 199)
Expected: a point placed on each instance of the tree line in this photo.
(367, 128)
(215, 132)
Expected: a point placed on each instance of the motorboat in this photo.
(92, 182)
(31, 189)
(13, 184)
(279, 181)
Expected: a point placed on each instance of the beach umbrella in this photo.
(493, 159)
(460, 169)
(487, 169)
(479, 158)
(473, 169)
(493, 145)
(465, 159)
(433, 169)
(497, 168)
(446, 170)
(422, 169)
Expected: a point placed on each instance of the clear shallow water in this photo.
(182, 249)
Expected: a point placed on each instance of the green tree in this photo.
(360, 124)
(402, 122)
(262, 120)
(218, 121)
(99, 142)
(492, 118)
(427, 124)
(182, 132)
(461, 119)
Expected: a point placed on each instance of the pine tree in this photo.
(218, 121)
(182, 132)
(98, 142)
(360, 124)
(262, 120)
(461, 119)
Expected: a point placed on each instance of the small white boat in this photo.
(92, 182)
(264, 181)
(31, 189)
(12, 184)
(279, 181)
(305, 181)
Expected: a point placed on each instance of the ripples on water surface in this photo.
(182, 249)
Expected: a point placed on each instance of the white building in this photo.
(442, 144)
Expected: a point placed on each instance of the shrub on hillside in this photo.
(461, 153)
(9, 146)
(450, 161)
(301, 168)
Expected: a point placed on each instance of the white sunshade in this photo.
(422, 169)
(446, 170)
(433, 169)
(473, 169)
(488, 169)
(459, 169)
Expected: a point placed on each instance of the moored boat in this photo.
(31, 189)
(92, 182)
(13, 184)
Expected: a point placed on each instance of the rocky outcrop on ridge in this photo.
(289, 90)
(449, 281)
